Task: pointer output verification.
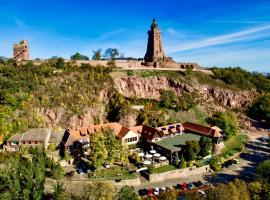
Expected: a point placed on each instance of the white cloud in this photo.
(228, 38)
(240, 21)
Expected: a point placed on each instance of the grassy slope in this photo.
(25, 89)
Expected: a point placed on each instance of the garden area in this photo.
(113, 173)
(234, 145)
(164, 168)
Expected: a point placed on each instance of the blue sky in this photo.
(210, 32)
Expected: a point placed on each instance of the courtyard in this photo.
(175, 143)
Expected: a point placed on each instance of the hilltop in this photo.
(60, 95)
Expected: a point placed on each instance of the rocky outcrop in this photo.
(132, 86)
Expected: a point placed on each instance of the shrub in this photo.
(226, 121)
(215, 163)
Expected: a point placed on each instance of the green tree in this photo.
(101, 191)
(255, 189)
(263, 170)
(99, 154)
(215, 163)
(57, 172)
(170, 195)
(59, 192)
(167, 99)
(116, 107)
(78, 56)
(96, 54)
(185, 102)
(22, 174)
(192, 149)
(242, 189)
(127, 193)
(183, 163)
(206, 146)
(111, 53)
(226, 121)
(261, 108)
(112, 144)
(176, 159)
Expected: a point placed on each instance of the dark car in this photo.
(190, 185)
(178, 187)
(142, 192)
(197, 184)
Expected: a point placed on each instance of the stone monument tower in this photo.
(154, 51)
(21, 51)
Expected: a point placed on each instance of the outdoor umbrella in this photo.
(153, 151)
(156, 155)
(162, 158)
(147, 162)
(141, 154)
(148, 156)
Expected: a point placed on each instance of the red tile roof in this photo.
(213, 132)
(83, 133)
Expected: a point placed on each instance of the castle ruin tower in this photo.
(21, 51)
(154, 51)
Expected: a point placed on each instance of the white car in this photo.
(156, 191)
(107, 165)
(202, 193)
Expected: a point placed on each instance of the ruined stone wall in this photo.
(21, 51)
(135, 64)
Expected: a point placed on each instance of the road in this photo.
(255, 152)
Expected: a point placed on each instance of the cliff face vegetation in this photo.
(60, 95)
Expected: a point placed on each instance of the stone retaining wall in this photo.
(179, 173)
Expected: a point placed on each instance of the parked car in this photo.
(190, 185)
(107, 165)
(202, 193)
(80, 171)
(163, 189)
(150, 192)
(178, 187)
(197, 184)
(227, 163)
(235, 161)
(142, 192)
(206, 183)
(184, 186)
(156, 191)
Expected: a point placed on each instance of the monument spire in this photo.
(154, 46)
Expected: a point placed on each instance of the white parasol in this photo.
(156, 155)
(153, 151)
(147, 162)
(141, 154)
(148, 156)
(162, 158)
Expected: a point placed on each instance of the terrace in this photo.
(176, 142)
(173, 144)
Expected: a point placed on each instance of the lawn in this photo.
(113, 173)
(235, 144)
(177, 141)
(164, 168)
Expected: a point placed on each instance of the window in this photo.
(36, 142)
(133, 139)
